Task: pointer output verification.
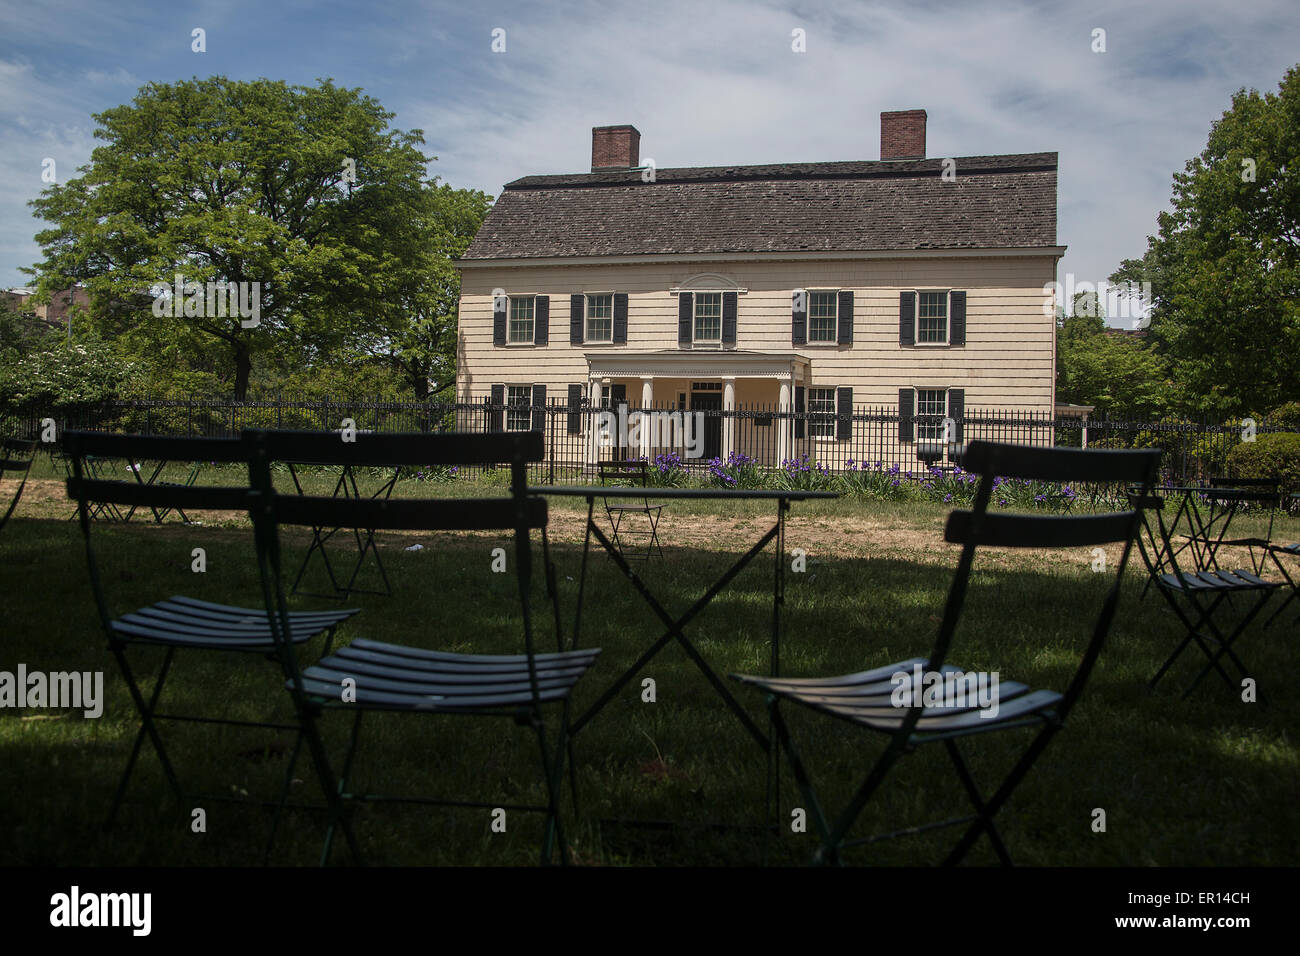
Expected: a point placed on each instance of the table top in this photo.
(624, 491)
(1223, 494)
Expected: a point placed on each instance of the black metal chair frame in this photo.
(1275, 551)
(345, 487)
(180, 623)
(619, 470)
(16, 456)
(1206, 590)
(401, 679)
(866, 699)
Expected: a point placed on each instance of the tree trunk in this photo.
(421, 385)
(243, 367)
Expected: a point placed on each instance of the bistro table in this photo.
(673, 627)
(345, 487)
(1208, 528)
(137, 468)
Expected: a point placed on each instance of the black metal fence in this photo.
(764, 436)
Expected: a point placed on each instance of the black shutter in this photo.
(495, 414)
(957, 411)
(620, 318)
(539, 408)
(846, 318)
(617, 396)
(499, 307)
(685, 313)
(844, 413)
(906, 404)
(957, 318)
(542, 320)
(907, 318)
(728, 318)
(576, 303)
(799, 321)
(798, 411)
(575, 404)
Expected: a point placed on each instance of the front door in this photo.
(705, 402)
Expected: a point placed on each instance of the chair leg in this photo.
(340, 813)
(147, 728)
(968, 781)
(284, 797)
(828, 852)
(553, 828)
(1225, 647)
(990, 809)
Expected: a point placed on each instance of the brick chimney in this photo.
(615, 147)
(902, 134)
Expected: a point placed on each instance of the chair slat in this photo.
(153, 447)
(1059, 464)
(1040, 531)
(434, 448)
(132, 492)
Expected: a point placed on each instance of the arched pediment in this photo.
(711, 281)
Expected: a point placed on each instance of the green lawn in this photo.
(1207, 781)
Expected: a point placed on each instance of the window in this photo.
(600, 318)
(519, 400)
(821, 411)
(708, 317)
(521, 320)
(932, 318)
(931, 409)
(821, 316)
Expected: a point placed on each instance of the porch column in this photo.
(647, 400)
(593, 425)
(728, 423)
(783, 429)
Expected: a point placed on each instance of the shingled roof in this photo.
(896, 205)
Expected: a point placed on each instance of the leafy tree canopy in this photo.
(1225, 266)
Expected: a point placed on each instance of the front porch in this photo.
(701, 405)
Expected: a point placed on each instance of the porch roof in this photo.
(674, 363)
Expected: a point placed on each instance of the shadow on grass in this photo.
(1209, 780)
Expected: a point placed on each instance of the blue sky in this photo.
(706, 83)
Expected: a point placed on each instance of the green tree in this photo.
(1110, 370)
(295, 189)
(1225, 267)
(415, 315)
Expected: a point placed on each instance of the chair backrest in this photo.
(520, 512)
(979, 526)
(79, 447)
(16, 456)
(623, 470)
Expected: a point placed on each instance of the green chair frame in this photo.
(180, 624)
(866, 700)
(396, 678)
(1197, 597)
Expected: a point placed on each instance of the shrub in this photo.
(738, 471)
(1270, 455)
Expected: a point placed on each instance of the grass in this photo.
(1207, 781)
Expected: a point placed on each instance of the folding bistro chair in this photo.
(620, 510)
(179, 623)
(16, 456)
(870, 700)
(1198, 596)
(399, 678)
